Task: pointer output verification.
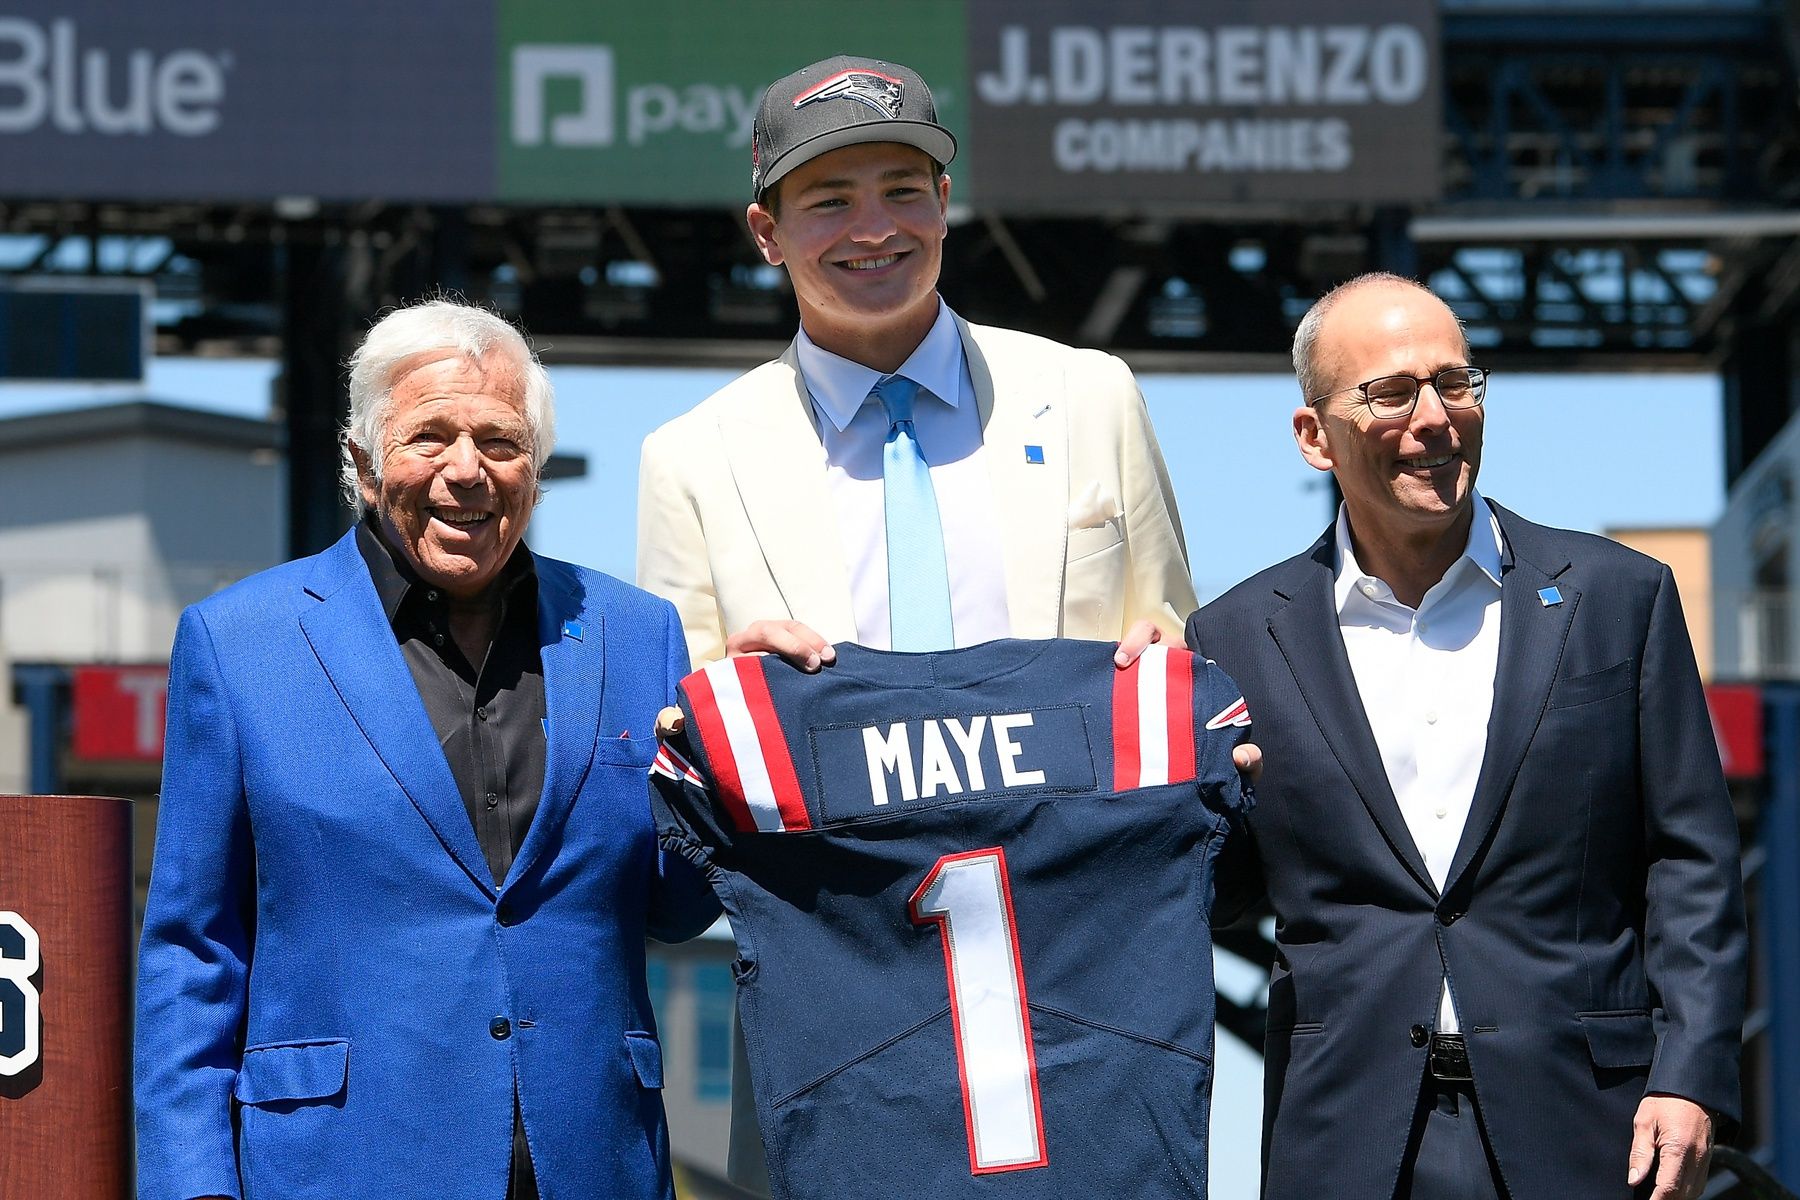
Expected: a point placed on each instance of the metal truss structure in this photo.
(1618, 191)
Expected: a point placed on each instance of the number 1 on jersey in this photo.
(969, 898)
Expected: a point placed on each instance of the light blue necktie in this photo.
(918, 580)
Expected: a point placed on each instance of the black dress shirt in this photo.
(489, 716)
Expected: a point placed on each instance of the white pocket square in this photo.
(1093, 508)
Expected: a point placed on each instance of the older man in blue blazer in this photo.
(404, 864)
(1492, 825)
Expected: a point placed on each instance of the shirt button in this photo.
(1431, 717)
(1368, 589)
(493, 801)
(437, 639)
(431, 595)
(501, 1028)
(1441, 810)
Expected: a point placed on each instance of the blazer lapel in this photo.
(355, 644)
(1022, 406)
(1306, 630)
(1532, 635)
(778, 465)
(571, 646)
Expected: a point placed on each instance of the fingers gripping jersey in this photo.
(970, 892)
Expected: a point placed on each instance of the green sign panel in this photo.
(653, 105)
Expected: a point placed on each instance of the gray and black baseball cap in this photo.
(842, 101)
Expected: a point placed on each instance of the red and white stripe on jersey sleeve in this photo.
(671, 765)
(1153, 720)
(749, 754)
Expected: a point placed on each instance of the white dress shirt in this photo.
(948, 427)
(1426, 678)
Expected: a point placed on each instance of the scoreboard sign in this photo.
(215, 99)
(1079, 105)
(1059, 105)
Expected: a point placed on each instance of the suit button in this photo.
(1420, 1035)
(1451, 917)
(506, 917)
(501, 1028)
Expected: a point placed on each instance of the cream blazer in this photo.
(735, 522)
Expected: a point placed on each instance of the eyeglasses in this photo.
(1394, 396)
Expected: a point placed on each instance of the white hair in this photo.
(1306, 337)
(406, 333)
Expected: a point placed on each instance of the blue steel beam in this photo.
(42, 688)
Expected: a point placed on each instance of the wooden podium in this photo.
(65, 998)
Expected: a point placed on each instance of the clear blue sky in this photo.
(1588, 452)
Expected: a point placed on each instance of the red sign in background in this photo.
(118, 712)
(1737, 717)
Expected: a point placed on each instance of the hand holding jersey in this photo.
(992, 867)
(806, 649)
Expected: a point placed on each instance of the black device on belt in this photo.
(1450, 1058)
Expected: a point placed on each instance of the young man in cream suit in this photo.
(767, 514)
(763, 506)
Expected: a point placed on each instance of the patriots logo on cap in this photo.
(883, 93)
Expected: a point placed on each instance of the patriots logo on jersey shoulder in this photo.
(671, 765)
(882, 93)
(1235, 715)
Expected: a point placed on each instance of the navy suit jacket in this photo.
(1592, 922)
(334, 999)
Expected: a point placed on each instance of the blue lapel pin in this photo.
(572, 629)
(1549, 596)
(1034, 455)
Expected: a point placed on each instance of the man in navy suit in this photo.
(1491, 824)
(404, 868)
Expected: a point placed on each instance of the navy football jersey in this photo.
(970, 892)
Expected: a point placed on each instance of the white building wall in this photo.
(101, 546)
(103, 542)
(1755, 634)
(14, 773)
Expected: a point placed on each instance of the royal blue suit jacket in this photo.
(1592, 923)
(334, 999)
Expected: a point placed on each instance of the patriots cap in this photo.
(842, 101)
